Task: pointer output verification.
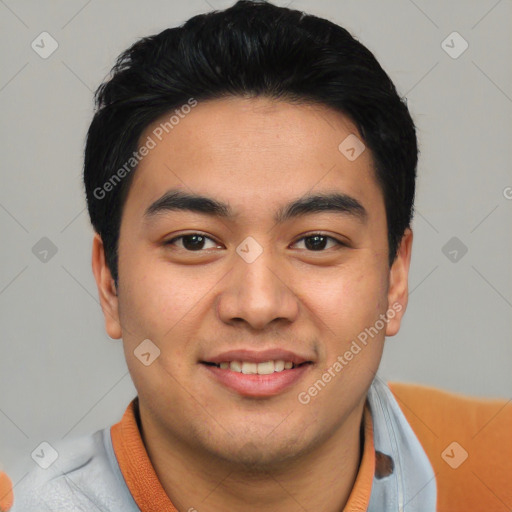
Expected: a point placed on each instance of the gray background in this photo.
(60, 375)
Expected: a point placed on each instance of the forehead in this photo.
(252, 153)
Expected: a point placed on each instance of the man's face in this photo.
(254, 282)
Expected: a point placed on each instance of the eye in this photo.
(192, 242)
(318, 241)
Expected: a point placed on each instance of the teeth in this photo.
(249, 368)
(236, 366)
(265, 368)
(278, 366)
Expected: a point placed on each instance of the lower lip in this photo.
(258, 385)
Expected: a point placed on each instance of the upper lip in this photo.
(260, 356)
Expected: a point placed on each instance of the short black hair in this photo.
(250, 49)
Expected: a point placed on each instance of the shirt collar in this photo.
(149, 495)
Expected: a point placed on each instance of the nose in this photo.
(257, 293)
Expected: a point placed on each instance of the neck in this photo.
(321, 479)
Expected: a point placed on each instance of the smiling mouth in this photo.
(251, 368)
(258, 379)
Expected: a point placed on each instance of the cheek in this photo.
(155, 299)
(158, 305)
(347, 300)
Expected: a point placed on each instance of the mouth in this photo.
(257, 380)
(251, 368)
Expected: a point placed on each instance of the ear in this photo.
(106, 289)
(398, 291)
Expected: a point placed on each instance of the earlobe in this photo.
(106, 289)
(398, 291)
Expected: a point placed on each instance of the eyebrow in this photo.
(177, 200)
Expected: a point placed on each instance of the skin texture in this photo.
(212, 448)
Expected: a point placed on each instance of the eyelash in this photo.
(335, 240)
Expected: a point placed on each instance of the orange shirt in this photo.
(468, 442)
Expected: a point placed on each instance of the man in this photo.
(250, 177)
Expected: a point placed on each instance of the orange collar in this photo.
(359, 498)
(137, 470)
(149, 495)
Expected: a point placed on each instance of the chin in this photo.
(258, 454)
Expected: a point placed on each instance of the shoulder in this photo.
(436, 411)
(468, 441)
(460, 408)
(73, 475)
